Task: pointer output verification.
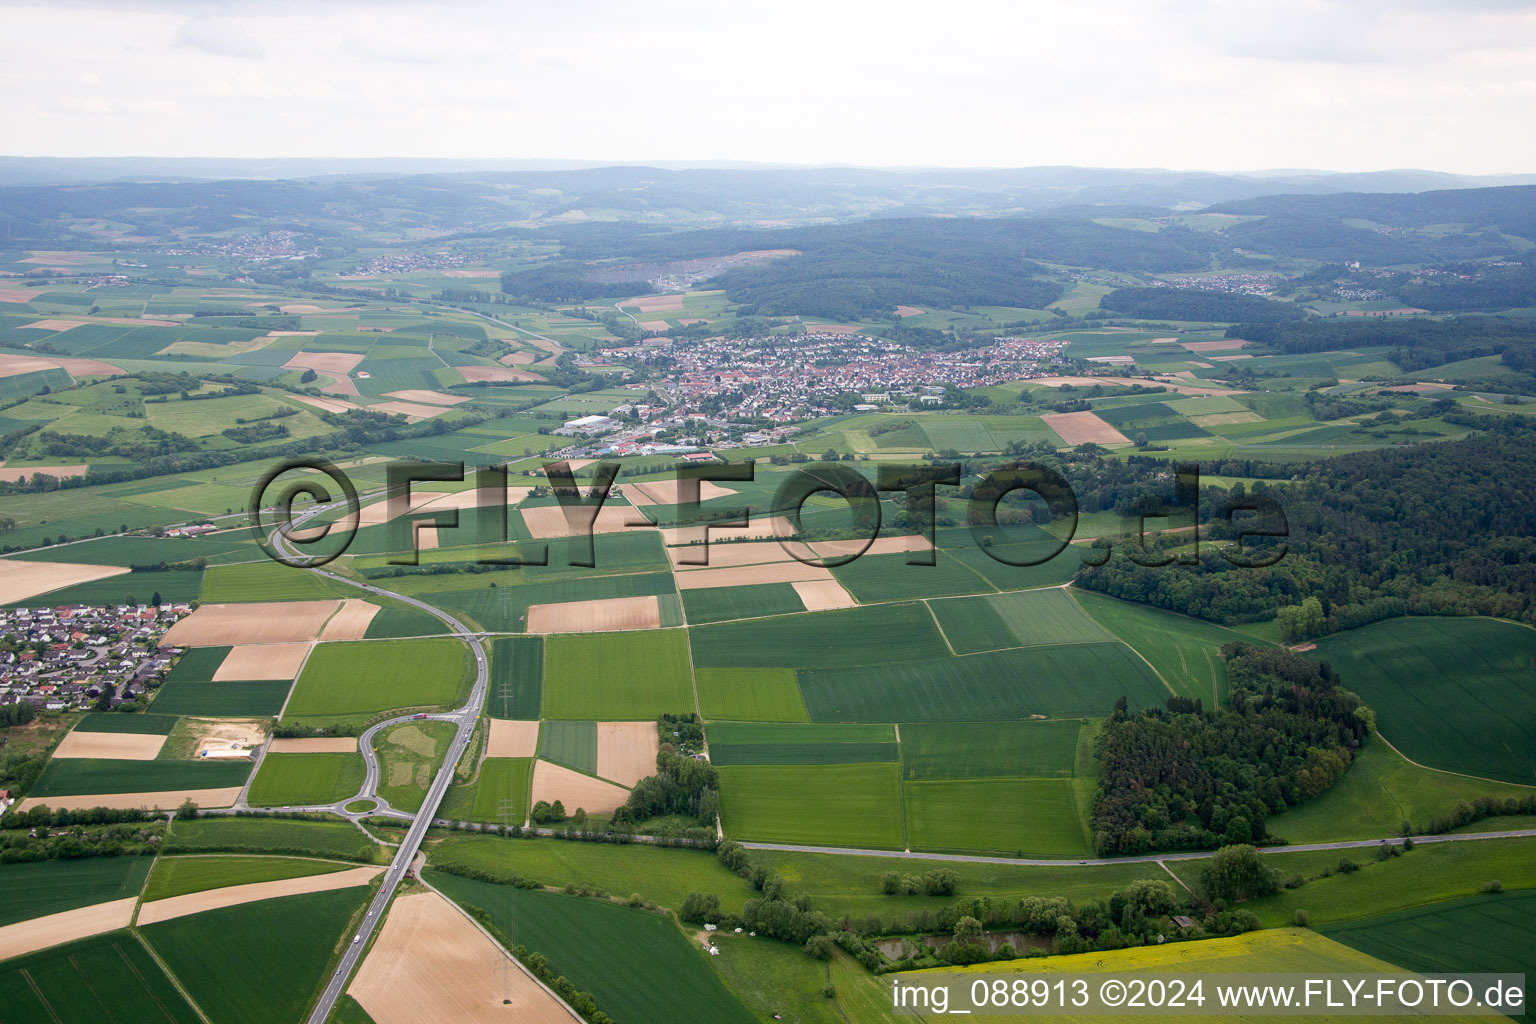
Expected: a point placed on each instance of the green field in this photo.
(825, 805)
(1427, 874)
(501, 792)
(271, 835)
(750, 694)
(1378, 792)
(409, 756)
(1067, 680)
(881, 634)
(178, 876)
(267, 580)
(720, 604)
(573, 744)
(1490, 933)
(517, 677)
(617, 676)
(98, 721)
(1038, 817)
(206, 699)
(287, 780)
(38, 888)
(83, 776)
(107, 978)
(283, 948)
(579, 938)
(1024, 618)
(1185, 651)
(981, 750)
(662, 875)
(358, 679)
(398, 620)
(1457, 694)
(872, 578)
(763, 743)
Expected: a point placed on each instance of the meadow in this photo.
(178, 876)
(291, 780)
(284, 948)
(824, 805)
(617, 676)
(1451, 693)
(753, 743)
(501, 792)
(1025, 618)
(880, 634)
(578, 937)
(108, 977)
(1185, 652)
(37, 888)
(410, 755)
(353, 680)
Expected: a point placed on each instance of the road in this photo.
(465, 717)
(1151, 858)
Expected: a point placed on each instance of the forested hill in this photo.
(1428, 529)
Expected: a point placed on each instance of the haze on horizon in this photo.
(1344, 85)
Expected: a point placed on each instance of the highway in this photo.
(465, 717)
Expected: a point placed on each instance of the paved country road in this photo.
(1353, 844)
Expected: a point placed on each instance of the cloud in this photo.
(220, 37)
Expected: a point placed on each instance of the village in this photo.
(67, 658)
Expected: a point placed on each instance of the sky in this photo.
(1231, 85)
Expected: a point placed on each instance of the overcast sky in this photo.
(1212, 84)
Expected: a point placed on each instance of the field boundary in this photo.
(165, 969)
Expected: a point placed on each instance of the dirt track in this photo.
(234, 895)
(431, 965)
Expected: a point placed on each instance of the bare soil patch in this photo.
(509, 738)
(726, 556)
(431, 965)
(669, 492)
(518, 358)
(20, 580)
(600, 616)
(350, 621)
(259, 622)
(1221, 419)
(879, 546)
(549, 521)
(53, 325)
(426, 537)
(411, 410)
(315, 745)
(56, 929)
(11, 365)
(626, 751)
(325, 404)
(655, 325)
(655, 303)
(235, 895)
(167, 800)
(906, 311)
(1083, 427)
(479, 373)
(823, 595)
(10, 474)
(1220, 345)
(472, 273)
(428, 397)
(336, 365)
(833, 328)
(552, 782)
(1228, 359)
(19, 294)
(752, 575)
(228, 737)
(110, 746)
(262, 661)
